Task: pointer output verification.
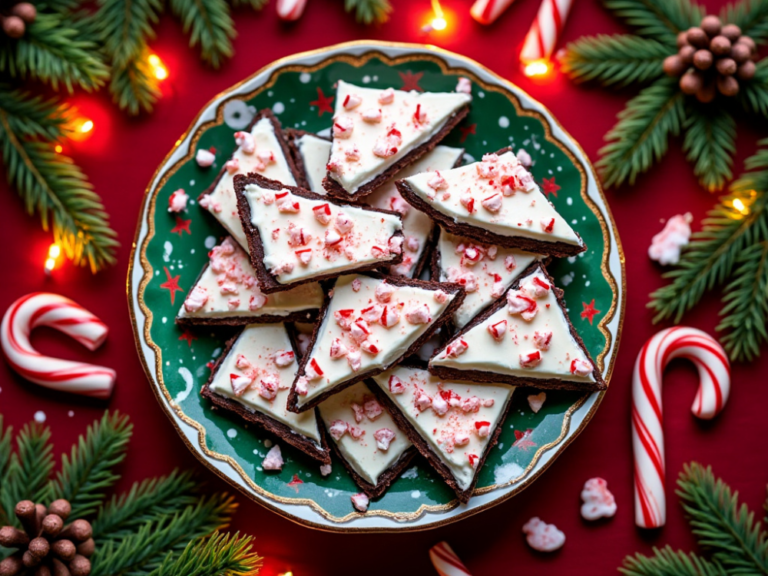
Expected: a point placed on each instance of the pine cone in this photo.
(712, 58)
(14, 23)
(46, 546)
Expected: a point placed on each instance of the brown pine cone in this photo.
(46, 546)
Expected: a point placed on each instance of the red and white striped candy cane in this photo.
(290, 10)
(545, 31)
(45, 309)
(647, 432)
(486, 11)
(446, 562)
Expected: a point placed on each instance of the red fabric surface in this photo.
(121, 157)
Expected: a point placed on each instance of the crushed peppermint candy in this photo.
(536, 401)
(598, 500)
(360, 502)
(464, 85)
(205, 158)
(542, 536)
(383, 437)
(178, 201)
(246, 142)
(274, 459)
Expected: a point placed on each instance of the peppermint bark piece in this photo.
(366, 439)
(377, 133)
(525, 338)
(310, 153)
(252, 379)
(495, 201)
(454, 424)
(261, 148)
(368, 324)
(417, 226)
(485, 270)
(227, 293)
(296, 236)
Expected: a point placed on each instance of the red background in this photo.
(123, 153)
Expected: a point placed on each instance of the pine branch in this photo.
(32, 116)
(54, 51)
(126, 26)
(369, 11)
(210, 25)
(730, 531)
(134, 87)
(710, 257)
(6, 439)
(751, 16)
(667, 562)
(710, 135)
(147, 501)
(753, 94)
(641, 135)
(219, 554)
(617, 60)
(30, 467)
(149, 547)
(53, 186)
(745, 314)
(255, 4)
(87, 473)
(658, 19)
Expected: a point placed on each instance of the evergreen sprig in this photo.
(730, 250)
(369, 11)
(210, 25)
(661, 110)
(219, 554)
(160, 527)
(735, 541)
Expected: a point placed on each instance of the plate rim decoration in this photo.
(306, 511)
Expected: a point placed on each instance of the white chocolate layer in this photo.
(258, 343)
(392, 342)
(416, 225)
(223, 199)
(229, 292)
(521, 214)
(362, 454)
(491, 274)
(366, 243)
(442, 431)
(314, 153)
(438, 108)
(502, 356)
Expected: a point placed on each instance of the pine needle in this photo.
(753, 94)
(369, 11)
(87, 474)
(147, 501)
(134, 87)
(720, 524)
(255, 4)
(668, 562)
(219, 554)
(209, 25)
(54, 51)
(658, 19)
(641, 136)
(6, 448)
(710, 142)
(749, 15)
(32, 116)
(146, 549)
(617, 60)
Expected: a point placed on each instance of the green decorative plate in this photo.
(169, 253)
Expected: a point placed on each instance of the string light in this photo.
(438, 22)
(536, 68)
(58, 148)
(54, 251)
(158, 67)
(80, 128)
(739, 205)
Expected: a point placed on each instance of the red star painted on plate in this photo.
(589, 311)
(466, 131)
(295, 483)
(172, 284)
(323, 103)
(549, 186)
(523, 441)
(411, 80)
(181, 226)
(188, 336)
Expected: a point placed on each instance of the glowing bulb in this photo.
(50, 264)
(536, 68)
(439, 24)
(289, 573)
(158, 68)
(54, 251)
(740, 206)
(58, 148)
(86, 126)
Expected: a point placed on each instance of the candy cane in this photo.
(542, 37)
(44, 309)
(446, 562)
(486, 11)
(290, 10)
(647, 433)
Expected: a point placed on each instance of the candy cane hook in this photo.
(446, 562)
(647, 432)
(45, 309)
